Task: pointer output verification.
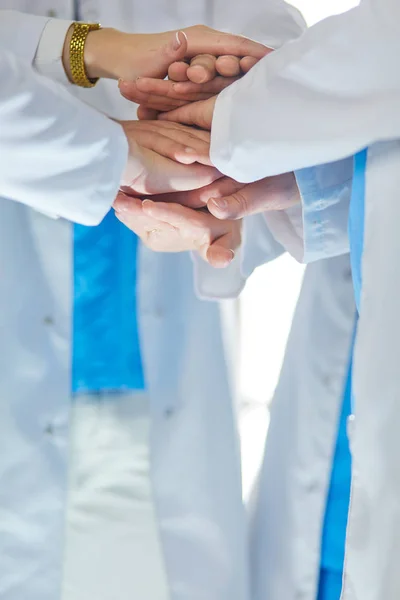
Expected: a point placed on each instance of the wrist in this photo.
(98, 53)
(101, 53)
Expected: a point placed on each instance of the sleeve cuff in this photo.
(48, 58)
(218, 284)
(258, 247)
(325, 194)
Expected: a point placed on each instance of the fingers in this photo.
(158, 236)
(161, 175)
(187, 90)
(271, 193)
(180, 147)
(164, 95)
(247, 63)
(170, 140)
(202, 68)
(222, 251)
(174, 51)
(156, 99)
(199, 198)
(216, 245)
(228, 66)
(178, 71)
(161, 95)
(199, 114)
(123, 202)
(147, 114)
(175, 214)
(202, 40)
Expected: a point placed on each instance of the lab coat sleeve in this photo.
(57, 155)
(277, 24)
(258, 247)
(48, 57)
(20, 33)
(319, 99)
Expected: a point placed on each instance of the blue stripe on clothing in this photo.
(106, 350)
(333, 543)
(356, 221)
(330, 585)
(337, 507)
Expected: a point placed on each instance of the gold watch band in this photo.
(76, 54)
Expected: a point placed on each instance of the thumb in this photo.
(175, 50)
(221, 252)
(198, 113)
(272, 193)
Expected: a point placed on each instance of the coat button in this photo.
(49, 430)
(327, 380)
(51, 13)
(348, 274)
(48, 321)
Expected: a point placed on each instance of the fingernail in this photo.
(219, 203)
(229, 259)
(222, 263)
(178, 41)
(147, 203)
(121, 206)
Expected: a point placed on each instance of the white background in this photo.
(267, 307)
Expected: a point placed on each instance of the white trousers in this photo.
(112, 545)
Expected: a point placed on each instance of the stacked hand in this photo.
(194, 207)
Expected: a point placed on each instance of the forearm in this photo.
(258, 247)
(321, 98)
(274, 23)
(57, 154)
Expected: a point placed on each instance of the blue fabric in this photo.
(334, 534)
(330, 585)
(106, 351)
(337, 507)
(356, 221)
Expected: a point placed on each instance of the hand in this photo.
(205, 67)
(199, 114)
(204, 77)
(152, 166)
(116, 55)
(182, 144)
(175, 228)
(226, 198)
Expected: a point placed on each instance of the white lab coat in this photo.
(46, 134)
(287, 509)
(188, 361)
(320, 99)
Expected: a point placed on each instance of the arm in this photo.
(277, 24)
(273, 23)
(317, 100)
(20, 33)
(57, 154)
(69, 170)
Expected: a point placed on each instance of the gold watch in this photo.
(76, 54)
